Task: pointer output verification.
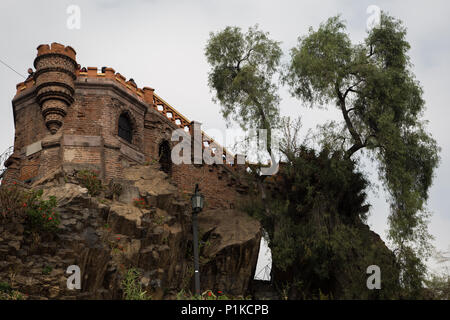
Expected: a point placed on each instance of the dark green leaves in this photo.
(320, 61)
(381, 104)
(371, 84)
(243, 66)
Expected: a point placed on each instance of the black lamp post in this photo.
(197, 206)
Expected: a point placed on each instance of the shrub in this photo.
(7, 293)
(47, 270)
(314, 214)
(438, 286)
(141, 203)
(41, 214)
(14, 295)
(28, 207)
(207, 295)
(89, 179)
(5, 287)
(12, 200)
(132, 288)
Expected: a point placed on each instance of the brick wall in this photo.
(94, 116)
(29, 169)
(87, 135)
(215, 182)
(29, 124)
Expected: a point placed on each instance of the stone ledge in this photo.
(132, 154)
(33, 148)
(82, 141)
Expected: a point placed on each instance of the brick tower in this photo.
(55, 75)
(69, 118)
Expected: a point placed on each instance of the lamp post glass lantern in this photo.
(197, 200)
(197, 206)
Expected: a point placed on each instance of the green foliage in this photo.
(309, 176)
(318, 62)
(141, 203)
(243, 66)
(320, 246)
(207, 295)
(13, 295)
(7, 293)
(89, 179)
(12, 200)
(132, 288)
(46, 270)
(38, 214)
(5, 287)
(159, 219)
(438, 287)
(41, 214)
(413, 273)
(381, 103)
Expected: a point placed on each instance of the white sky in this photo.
(161, 44)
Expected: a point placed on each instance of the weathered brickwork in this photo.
(219, 184)
(72, 117)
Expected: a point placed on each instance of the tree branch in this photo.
(371, 51)
(266, 124)
(244, 59)
(350, 89)
(358, 144)
(368, 137)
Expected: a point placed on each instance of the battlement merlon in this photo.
(145, 94)
(58, 49)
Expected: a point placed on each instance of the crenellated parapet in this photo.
(54, 80)
(145, 94)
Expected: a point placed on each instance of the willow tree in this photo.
(242, 71)
(375, 90)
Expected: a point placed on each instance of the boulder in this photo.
(229, 250)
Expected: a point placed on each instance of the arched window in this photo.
(164, 156)
(125, 128)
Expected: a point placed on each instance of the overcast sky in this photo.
(161, 44)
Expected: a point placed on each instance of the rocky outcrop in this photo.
(105, 236)
(229, 250)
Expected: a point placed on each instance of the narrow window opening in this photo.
(125, 128)
(165, 161)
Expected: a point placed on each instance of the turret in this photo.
(55, 75)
